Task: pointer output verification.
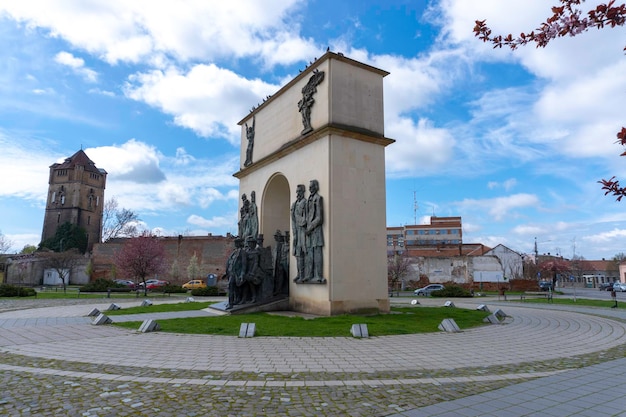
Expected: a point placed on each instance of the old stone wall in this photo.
(211, 254)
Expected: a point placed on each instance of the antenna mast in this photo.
(415, 207)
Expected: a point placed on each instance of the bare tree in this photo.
(118, 222)
(62, 263)
(398, 266)
(5, 243)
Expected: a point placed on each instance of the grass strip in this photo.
(404, 320)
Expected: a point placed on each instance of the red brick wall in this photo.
(211, 252)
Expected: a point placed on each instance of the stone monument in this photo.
(325, 130)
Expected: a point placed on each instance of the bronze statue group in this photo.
(257, 274)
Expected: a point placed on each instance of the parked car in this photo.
(193, 284)
(427, 290)
(606, 286)
(125, 282)
(156, 284)
(148, 282)
(546, 286)
(619, 286)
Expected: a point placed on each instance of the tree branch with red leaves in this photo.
(567, 20)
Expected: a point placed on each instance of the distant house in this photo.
(512, 262)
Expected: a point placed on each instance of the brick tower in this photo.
(75, 195)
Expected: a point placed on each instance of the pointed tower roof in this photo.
(79, 158)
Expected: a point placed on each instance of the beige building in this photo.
(75, 195)
(440, 232)
(327, 124)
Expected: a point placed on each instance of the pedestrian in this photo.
(614, 298)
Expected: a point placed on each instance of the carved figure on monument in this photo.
(250, 137)
(253, 217)
(252, 274)
(233, 269)
(243, 216)
(314, 264)
(298, 228)
(283, 288)
(281, 263)
(307, 101)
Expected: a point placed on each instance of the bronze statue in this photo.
(304, 105)
(250, 147)
(298, 227)
(314, 264)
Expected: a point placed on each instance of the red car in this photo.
(157, 284)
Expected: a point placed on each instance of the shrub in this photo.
(7, 290)
(101, 284)
(205, 292)
(452, 291)
(171, 289)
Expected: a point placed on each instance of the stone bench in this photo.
(536, 294)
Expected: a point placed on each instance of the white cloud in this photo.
(146, 181)
(500, 207)
(145, 30)
(507, 185)
(419, 149)
(28, 160)
(207, 99)
(133, 161)
(213, 223)
(77, 65)
(606, 236)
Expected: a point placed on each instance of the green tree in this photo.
(175, 270)
(193, 269)
(28, 249)
(67, 236)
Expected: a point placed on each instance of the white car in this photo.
(428, 289)
(619, 286)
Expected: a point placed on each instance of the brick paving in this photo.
(54, 362)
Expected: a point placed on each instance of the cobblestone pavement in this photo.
(76, 369)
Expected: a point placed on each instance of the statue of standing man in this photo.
(250, 138)
(298, 227)
(314, 235)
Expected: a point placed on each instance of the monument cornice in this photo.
(309, 69)
(320, 133)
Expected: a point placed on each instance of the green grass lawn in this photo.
(404, 320)
(159, 308)
(72, 292)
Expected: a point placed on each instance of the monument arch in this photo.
(324, 132)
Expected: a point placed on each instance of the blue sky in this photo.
(514, 142)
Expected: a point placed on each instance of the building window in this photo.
(62, 172)
(88, 220)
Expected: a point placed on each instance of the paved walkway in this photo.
(542, 361)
